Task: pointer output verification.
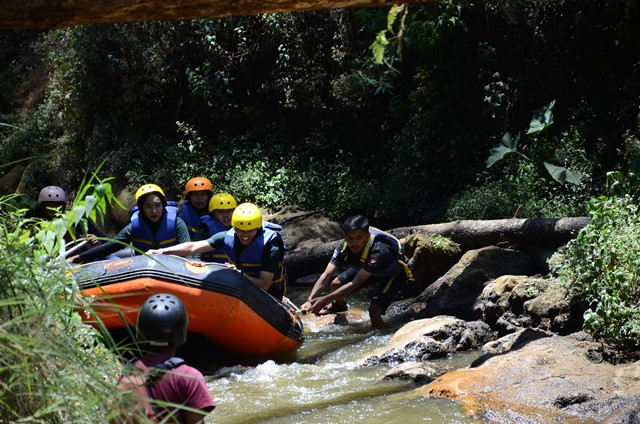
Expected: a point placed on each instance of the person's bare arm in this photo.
(320, 283)
(184, 249)
(263, 280)
(194, 417)
(344, 290)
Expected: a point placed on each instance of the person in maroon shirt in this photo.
(162, 327)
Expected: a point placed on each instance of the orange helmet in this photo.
(198, 184)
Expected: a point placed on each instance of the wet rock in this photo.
(534, 377)
(510, 342)
(430, 338)
(418, 372)
(456, 292)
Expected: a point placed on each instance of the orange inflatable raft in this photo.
(223, 306)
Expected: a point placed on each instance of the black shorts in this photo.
(387, 290)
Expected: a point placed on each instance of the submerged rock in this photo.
(418, 372)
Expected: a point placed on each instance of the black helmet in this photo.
(162, 321)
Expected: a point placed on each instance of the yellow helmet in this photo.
(247, 216)
(222, 201)
(197, 184)
(149, 188)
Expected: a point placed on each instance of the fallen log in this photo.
(542, 233)
(16, 14)
(470, 234)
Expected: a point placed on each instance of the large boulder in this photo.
(456, 292)
(511, 303)
(430, 338)
(10, 181)
(304, 229)
(534, 376)
(431, 256)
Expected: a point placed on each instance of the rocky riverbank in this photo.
(535, 365)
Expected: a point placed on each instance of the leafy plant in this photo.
(540, 121)
(601, 266)
(381, 43)
(91, 206)
(53, 368)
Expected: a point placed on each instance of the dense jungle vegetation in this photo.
(290, 109)
(287, 108)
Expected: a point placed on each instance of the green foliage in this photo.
(507, 145)
(497, 197)
(91, 206)
(381, 43)
(289, 101)
(54, 369)
(540, 121)
(601, 265)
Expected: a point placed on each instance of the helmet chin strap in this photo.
(158, 343)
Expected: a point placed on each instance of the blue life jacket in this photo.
(144, 238)
(376, 235)
(250, 260)
(134, 208)
(272, 226)
(190, 216)
(214, 226)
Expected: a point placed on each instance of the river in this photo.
(322, 381)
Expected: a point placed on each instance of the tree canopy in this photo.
(290, 108)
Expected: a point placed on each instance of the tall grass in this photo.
(53, 368)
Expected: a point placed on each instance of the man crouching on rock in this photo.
(366, 252)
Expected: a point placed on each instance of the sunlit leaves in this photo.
(562, 174)
(380, 44)
(507, 145)
(542, 119)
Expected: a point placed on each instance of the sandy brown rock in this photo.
(513, 302)
(544, 380)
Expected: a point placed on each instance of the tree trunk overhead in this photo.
(16, 14)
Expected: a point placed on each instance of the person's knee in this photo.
(335, 284)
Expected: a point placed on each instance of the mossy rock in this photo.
(431, 256)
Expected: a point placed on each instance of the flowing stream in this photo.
(322, 381)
